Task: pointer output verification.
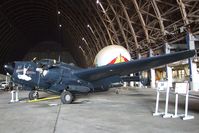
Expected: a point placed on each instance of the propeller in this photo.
(34, 59)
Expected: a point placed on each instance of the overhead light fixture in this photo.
(82, 50)
(60, 25)
(90, 28)
(83, 39)
(58, 12)
(98, 2)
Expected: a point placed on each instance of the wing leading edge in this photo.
(126, 68)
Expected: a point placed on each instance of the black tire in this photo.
(33, 95)
(74, 97)
(67, 97)
(117, 91)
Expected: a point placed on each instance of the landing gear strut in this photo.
(33, 95)
(67, 97)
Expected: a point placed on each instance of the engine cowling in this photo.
(141, 77)
(145, 78)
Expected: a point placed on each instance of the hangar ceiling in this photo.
(83, 27)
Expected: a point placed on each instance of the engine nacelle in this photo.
(145, 78)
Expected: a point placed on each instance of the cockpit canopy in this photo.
(46, 63)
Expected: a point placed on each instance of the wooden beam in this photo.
(183, 12)
(141, 20)
(120, 25)
(102, 20)
(158, 15)
(110, 22)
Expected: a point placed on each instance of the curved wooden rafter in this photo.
(104, 24)
(120, 25)
(183, 12)
(83, 29)
(135, 24)
(108, 19)
(137, 8)
(159, 17)
(93, 23)
(129, 24)
(90, 41)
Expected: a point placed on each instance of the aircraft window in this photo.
(13, 65)
(46, 62)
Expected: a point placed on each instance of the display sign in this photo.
(162, 85)
(181, 88)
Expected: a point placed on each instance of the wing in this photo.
(92, 74)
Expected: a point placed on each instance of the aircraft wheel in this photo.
(33, 95)
(67, 97)
(74, 97)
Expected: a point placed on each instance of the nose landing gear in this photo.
(33, 95)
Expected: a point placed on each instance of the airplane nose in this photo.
(9, 68)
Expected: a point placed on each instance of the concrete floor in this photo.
(107, 112)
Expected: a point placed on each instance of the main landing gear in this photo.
(33, 95)
(67, 97)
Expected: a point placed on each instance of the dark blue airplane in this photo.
(69, 80)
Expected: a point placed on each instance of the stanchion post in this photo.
(166, 114)
(186, 116)
(176, 106)
(157, 104)
(17, 95)
(12, 96)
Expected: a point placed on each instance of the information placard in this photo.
(162, 85)
(181, 88)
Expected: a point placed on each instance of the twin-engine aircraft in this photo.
(69, 80)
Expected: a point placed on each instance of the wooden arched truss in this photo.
(138, 25)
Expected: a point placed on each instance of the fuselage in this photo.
(56, 77)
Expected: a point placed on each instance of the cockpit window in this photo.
(13, 65)
(45, 62)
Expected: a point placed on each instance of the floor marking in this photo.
(43, 99)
